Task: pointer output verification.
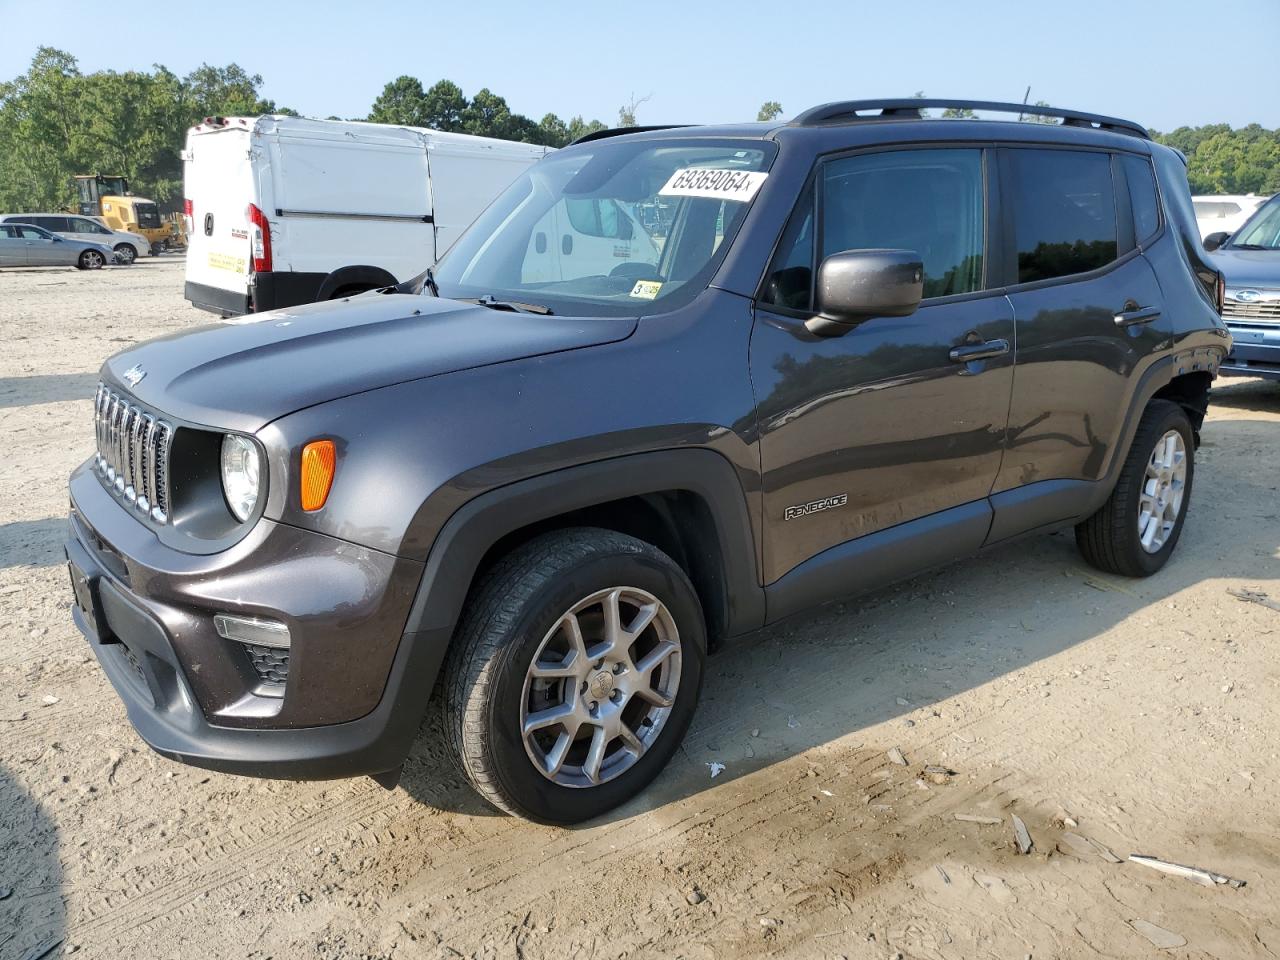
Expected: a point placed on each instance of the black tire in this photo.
(1109, 540)
(506, 618)
(90, 260)
(127, 252)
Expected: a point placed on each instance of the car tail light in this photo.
(318, 460)
(260, 240)
(186, 207)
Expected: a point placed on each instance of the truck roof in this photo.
(359, 131)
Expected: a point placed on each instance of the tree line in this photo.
(56, 122)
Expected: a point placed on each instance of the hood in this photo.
(1248, 268)
(244, 373)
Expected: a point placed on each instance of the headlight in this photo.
(241, 465)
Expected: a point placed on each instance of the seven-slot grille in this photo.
(133, 453)
(1266, 311)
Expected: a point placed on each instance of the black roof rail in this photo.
(909, 109)
(619, 131)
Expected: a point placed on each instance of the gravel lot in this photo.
(1146, 713)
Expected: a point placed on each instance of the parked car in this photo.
(1250, 261)
(26, 245)
(1224, 214)
(126, 247)
(286, 210)
(556, 495)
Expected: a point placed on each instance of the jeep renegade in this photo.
(847, 348)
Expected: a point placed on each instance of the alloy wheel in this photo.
(1163, 487)
(600, 687)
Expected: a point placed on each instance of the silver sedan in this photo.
(25, 245)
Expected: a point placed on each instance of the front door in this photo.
(13, 249)
(900, 418)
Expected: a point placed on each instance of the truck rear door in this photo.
(218, 187)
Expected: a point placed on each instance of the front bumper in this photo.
(1256, 351)
(355, 694)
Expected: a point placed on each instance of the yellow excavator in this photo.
(109, 198)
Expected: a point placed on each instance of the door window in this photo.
(55, 224)
(88, 226)
(32, 233)
(1064, 212)
(929, 201)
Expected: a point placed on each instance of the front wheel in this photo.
(91, 260)
(126, 253)
(574, 675)
(1137, 528)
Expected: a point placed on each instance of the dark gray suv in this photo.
(545, 480)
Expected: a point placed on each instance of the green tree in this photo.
(769, 110)
(444, 107)
(1039, 117)
(402, 102)
(579, 128)
(555, 132)
(959, 113)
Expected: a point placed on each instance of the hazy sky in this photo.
(1162, 62)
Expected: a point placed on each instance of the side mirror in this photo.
(857, 285)
(57, 239)
(1214, 240)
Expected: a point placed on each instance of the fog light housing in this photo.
(256, 631)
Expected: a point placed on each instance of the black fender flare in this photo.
(480, 523)
(358, 275)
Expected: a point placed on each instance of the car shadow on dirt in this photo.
(899, 655)
(1241, 393)
(32, 914)
(32, 543)
(46, 388)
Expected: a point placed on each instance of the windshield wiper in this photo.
(1248, 246)
(515, 306)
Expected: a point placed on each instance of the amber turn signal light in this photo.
(318, 460)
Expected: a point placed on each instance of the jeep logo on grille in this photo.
(816, 506)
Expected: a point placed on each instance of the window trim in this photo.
(993, 228)
(1148, 242)
(1010, 258)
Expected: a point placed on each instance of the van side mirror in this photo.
(856, 285)
(1214, 240)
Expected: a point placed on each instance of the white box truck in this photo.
(286, 210)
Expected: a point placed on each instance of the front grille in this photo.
(1266, 311)
(133, 453)
(271, 663)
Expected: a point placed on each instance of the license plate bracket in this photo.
(84, 589)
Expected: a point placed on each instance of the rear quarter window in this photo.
(1064, 212)
(1142, 195)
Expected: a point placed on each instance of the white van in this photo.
(285, 210)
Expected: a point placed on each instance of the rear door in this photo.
(218, 183)
(1087, 305)
(901, 417)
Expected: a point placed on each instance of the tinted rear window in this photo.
(1064, 212)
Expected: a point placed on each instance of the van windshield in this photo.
(618, 227)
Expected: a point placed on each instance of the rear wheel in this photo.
(574, 675)
(91, 260)
(1138, 527)
(126, 253)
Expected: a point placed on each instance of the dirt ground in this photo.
(1143, 715)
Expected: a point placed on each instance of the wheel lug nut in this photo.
(615, 696)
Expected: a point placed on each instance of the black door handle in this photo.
(979, 351)
(1133, 314)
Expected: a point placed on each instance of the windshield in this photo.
(611, 228)
(1262, 230)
